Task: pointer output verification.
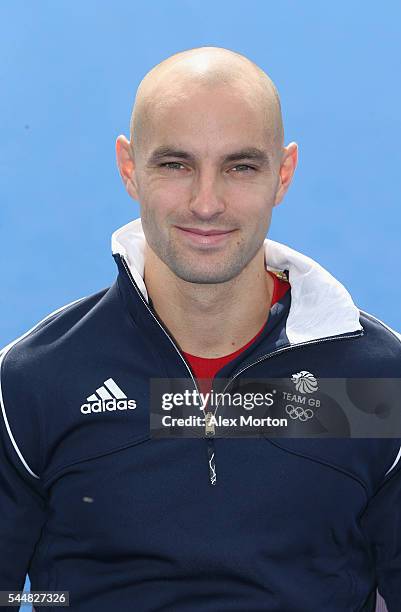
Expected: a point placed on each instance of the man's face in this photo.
(206, 165)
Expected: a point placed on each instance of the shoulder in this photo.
(381, 334)
(39, 338)
(26, 364)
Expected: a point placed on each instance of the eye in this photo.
(171, 165)
(244, 166)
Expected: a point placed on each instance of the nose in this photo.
(207, 198)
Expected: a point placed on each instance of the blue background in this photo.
(69, 73)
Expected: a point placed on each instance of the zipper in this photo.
(208, 430)
(209, 424)
(159, 324)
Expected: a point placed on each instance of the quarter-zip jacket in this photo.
(91, 503)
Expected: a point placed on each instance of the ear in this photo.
(288, 164)
(126, 165)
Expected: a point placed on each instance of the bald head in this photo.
(207, 67)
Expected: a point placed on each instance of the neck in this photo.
(210, 320)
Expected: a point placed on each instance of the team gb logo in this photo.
(305, 382)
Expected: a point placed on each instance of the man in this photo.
(91, 502)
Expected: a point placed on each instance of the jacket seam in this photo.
(386, 479)
(9, 431)
(3, 355)
(324, 463)
(116, 449)
(392, 332)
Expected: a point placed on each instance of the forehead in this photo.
(207, 116)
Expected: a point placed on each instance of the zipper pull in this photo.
(211, 461)
(209, 433)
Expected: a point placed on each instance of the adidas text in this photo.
(108, 405)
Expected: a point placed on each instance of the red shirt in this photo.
(206, 368)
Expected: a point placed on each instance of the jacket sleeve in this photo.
(22, 502)
(381, 522)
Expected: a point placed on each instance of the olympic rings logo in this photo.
(297, 412)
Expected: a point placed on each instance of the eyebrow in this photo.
(251, 153)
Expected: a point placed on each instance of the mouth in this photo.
(204, 237)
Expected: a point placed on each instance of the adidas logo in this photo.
(107, 397)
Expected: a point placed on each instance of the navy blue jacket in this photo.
(91, 503)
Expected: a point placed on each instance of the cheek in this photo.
(255, 218)
(165, 197)
(258, 193)
(252, 206)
